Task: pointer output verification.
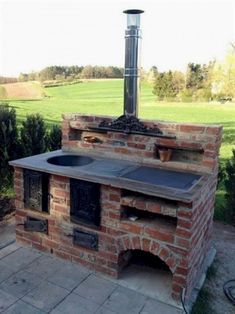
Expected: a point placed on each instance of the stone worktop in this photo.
(110, 172)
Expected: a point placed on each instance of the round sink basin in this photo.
(70, 160)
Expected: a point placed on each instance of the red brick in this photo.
(60, 179)
(210, 154)
(50, 243)
(108, 256)
(114, 197)
(162, 236)
(182, 271)
(140, 204)
(184, 223)
(166, 142)
(182, 242)
(114, 232)
(61, 193)
(131, 227)
(122, 150)
(209, 163)
(148, 154)
(146, 244)
(153, 207)
(183, 233)
(180, 280)
(164, 253)
(113, 215)
(213, 130)
(154, 247)
(61, 209)
(176, 288)
(63, 255)
(136, 145)
(171, 262)
(209, 146)
(127, 242)
(136, 243)
(192, 128)
(184, 214)
(120, 245)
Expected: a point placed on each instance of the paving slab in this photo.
(7, 231)
(74, 304)
(69, 275)
(95, 289)
(156, 307)
(124, 300)
(6, 300)
(9, 249)
(45, 266)
(21, 258)
(21, 307)
(46, 296)
(20, 283)
(104, 310)
(5, 271)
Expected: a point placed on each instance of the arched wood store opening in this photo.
(146, 273)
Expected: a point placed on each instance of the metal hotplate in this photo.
(162, 177)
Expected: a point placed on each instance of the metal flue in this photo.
(132, 63)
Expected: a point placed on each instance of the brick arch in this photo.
(134, 242)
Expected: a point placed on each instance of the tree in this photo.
(178, 81)
(194, 77)
(33, 135)
(165, 85)
(223, 77)
(23, 77)
(87, 72)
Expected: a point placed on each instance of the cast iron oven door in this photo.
(36, 190)
(85, 202)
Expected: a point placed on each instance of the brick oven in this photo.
(107, 195)
(96, 227)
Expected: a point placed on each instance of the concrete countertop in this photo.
(109, 172)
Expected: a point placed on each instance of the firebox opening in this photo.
(134, 214)
(146, 273)
(146, 259)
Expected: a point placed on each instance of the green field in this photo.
(106, 97)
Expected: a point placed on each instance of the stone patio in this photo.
(34, 282)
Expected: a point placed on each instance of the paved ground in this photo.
(34, 282)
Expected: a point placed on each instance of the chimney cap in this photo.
(133, 11)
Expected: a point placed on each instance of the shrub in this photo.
(33, 135)
(221, 173)
(230, 189)
(8, 142)
(54, 138)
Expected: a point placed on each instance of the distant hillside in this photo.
(21, 90)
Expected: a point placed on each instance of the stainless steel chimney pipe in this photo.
(132, 63)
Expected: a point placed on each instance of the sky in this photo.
(38, 33)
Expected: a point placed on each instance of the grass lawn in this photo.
(106, 97)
